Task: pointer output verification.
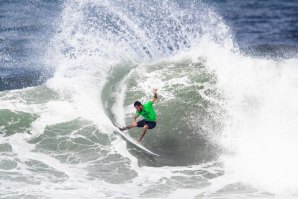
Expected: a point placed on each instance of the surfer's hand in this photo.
(134, 123)
(154, 90)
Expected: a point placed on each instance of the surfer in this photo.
(147, 111)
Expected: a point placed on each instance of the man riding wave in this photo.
(147, 111)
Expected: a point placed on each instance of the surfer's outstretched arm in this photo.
(154, 91)
(134, 121)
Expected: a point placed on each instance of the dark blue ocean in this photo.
(26, 28)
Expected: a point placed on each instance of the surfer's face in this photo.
(139, 108)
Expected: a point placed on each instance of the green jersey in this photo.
(148, 111)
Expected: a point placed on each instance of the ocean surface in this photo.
(227, 79)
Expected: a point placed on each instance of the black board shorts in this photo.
(151, 124)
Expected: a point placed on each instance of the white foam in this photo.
(261, 100)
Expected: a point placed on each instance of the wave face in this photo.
(226, 120)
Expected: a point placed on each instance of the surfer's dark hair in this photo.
(137, 103)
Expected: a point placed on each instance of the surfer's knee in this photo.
(146, 126)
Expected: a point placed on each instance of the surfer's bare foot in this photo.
(122, 128)
(138, 141)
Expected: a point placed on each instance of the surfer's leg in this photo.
(127, 127)
(143, 133)
(124, 128)
(140, 123)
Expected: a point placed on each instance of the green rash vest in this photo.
(147, 112)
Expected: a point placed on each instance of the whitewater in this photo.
(227, 120)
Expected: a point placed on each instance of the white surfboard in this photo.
(130, 140)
